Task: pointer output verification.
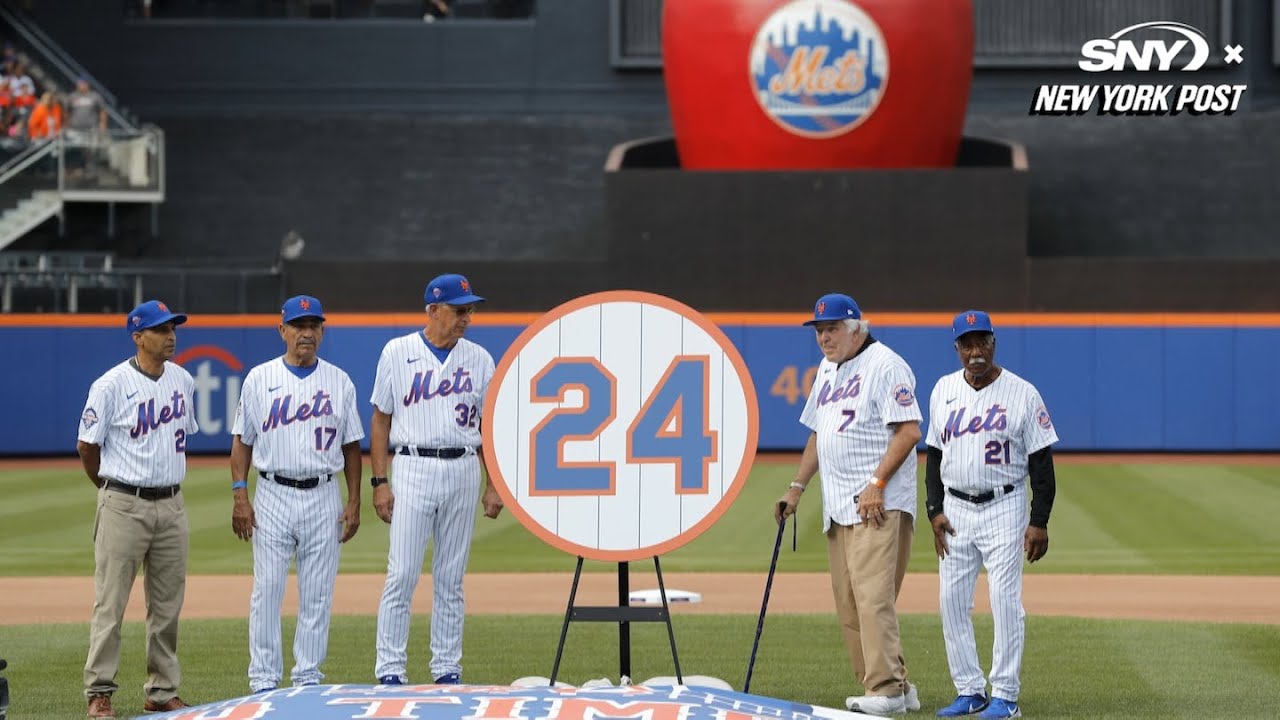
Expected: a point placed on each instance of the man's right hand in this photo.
(384, 501)
(941, 529)
(786, 505)
(242, 519)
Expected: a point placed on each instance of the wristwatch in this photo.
(376, 481)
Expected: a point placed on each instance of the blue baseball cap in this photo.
(450, 289)
(150, 314)
(302, 306)
(972, 321)
(834, 307)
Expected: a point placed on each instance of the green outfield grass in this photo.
(1073, 668)
(1163, 518)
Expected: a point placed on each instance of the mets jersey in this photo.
(141, 424)
(432, 404)
(851, 407)
(298, 425)
(986, 435)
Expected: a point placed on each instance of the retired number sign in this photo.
(620, 426)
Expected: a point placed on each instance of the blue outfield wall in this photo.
(1107, 388)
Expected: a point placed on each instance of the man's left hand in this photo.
(871, 506)
(1036, 543)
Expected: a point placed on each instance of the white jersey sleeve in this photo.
(1038, 431)
(897, 393)
(383, 394)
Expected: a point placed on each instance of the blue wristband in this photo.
(239, 484)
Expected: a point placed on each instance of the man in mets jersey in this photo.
(299, 419)
(865, 425)
(427, 399)
(987, 429)
(133, 444)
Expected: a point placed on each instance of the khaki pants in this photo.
(129, 532)
(867, 567)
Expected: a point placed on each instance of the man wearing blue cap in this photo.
(865, 424)
(427, 399)
(133, 444)
(987, 429)
(299, 422)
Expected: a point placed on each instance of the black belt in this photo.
(442, 453)
(300, 483)
(146, 493)
(985, 497)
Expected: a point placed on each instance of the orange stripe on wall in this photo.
(774, 319)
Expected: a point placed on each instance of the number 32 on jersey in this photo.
(620, 426)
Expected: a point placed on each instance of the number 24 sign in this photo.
(620, 426)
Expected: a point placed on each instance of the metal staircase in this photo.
(124, 164)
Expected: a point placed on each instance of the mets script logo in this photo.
(217, 374)
(819, 67)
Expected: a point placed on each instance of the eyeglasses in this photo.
(463, 309)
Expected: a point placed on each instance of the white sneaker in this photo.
(881, 705)
(912, 698)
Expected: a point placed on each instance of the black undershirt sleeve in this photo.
(933, 482)
(1043, 486)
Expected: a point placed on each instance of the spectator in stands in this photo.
(86, 126)
(46, 118)
(9, 58)
(436, 10)
(21, 87)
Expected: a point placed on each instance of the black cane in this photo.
(764, 604)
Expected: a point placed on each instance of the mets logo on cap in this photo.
(819, 67)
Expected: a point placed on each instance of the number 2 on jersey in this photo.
(671, 426)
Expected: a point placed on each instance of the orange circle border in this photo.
(683, 538)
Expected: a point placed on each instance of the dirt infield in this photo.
(1204, 599)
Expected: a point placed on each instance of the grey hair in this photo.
(857, 326)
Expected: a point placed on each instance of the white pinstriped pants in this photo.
(307, 523)
(435, 501)
(991, 534)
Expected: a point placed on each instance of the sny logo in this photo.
(1120, 52)
(422, 386)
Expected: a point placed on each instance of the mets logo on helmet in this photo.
(819, 67)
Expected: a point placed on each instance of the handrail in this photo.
(63, 62)
(24, 159)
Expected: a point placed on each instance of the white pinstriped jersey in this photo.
(986, 435)
(432, 404)
(851, 407)
(297, 426)
(141, 424)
